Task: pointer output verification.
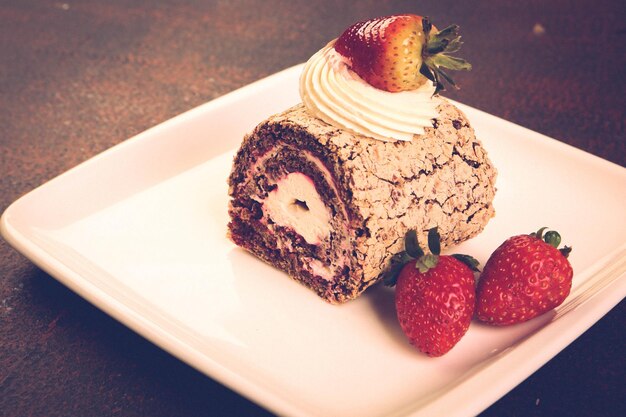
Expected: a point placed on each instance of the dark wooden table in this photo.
(77, 77)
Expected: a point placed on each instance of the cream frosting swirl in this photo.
(331, 91)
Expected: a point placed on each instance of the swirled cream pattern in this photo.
(338, 96)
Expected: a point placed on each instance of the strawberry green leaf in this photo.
(436, 54)
(468, 260)
(426, 25)
(398, 261)
(411, 244)
(391, 275)
(441, 41)
(436, 47)
(449, 33)
(441, 73)
(552, 238)
(426, 72)
(431, 74)
(454, 45)
(451, 62)
(565, 251)
(539, 233)
(434, 241)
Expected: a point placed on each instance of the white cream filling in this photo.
(331, 91)
(295, 203)
(317, 268)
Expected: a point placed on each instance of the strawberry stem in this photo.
(423, 262)
(426, 262)
(552, 238)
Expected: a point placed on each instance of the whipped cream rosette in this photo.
(331, 91)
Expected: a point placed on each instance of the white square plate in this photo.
(140, 232)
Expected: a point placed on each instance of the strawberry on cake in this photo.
(327, 190)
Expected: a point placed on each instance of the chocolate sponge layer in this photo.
(373, 192)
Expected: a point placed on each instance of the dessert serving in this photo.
(327, 190)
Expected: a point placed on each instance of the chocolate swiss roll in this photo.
(330, 207)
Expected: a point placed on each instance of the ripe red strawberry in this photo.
(435, 296)
(525, 277)
(398, 53)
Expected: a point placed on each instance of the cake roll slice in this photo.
(330, 207)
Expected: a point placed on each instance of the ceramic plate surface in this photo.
(140, 232)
